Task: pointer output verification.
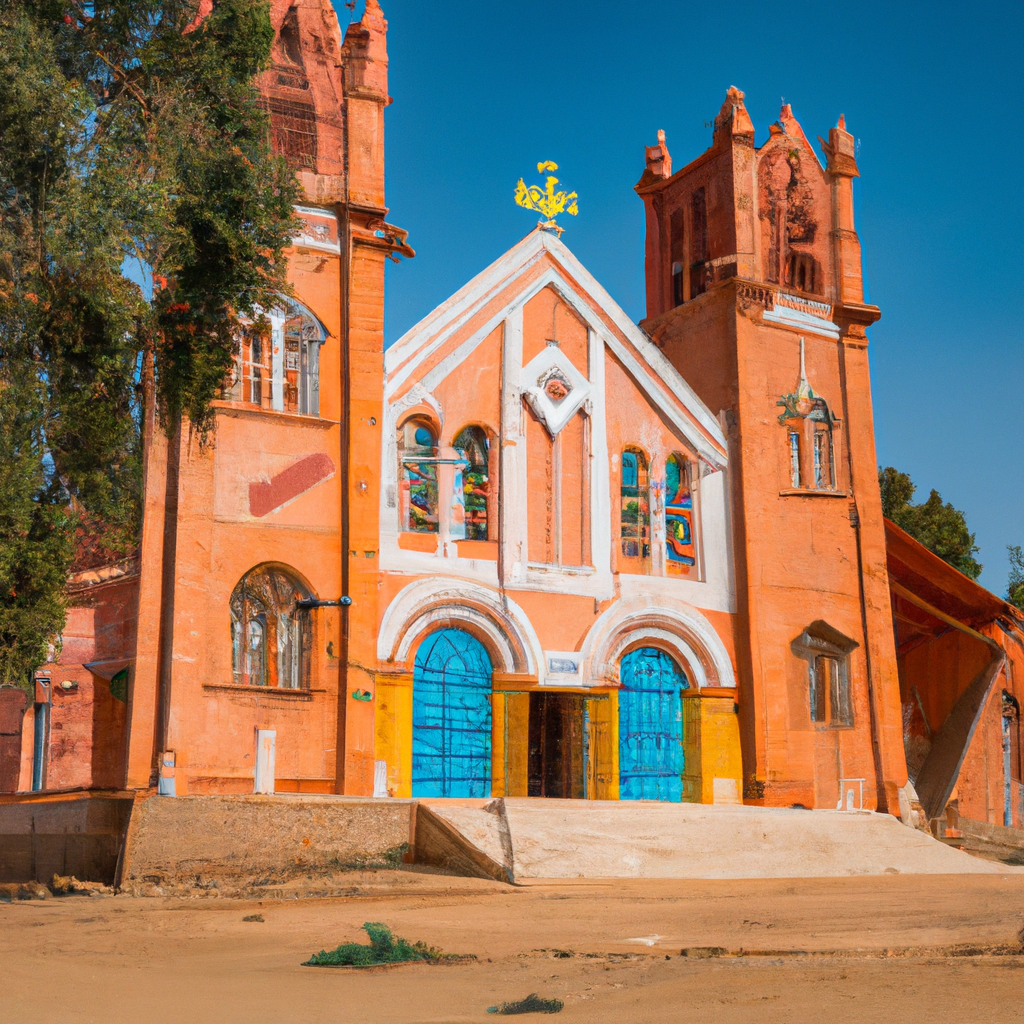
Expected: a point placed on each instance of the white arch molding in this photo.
(497, 619)
(677, 628)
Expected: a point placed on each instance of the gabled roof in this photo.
(442, 339)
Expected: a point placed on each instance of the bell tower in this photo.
(755, 294)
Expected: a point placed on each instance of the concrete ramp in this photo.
(532, 838)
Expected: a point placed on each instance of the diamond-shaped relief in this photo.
(554, 388)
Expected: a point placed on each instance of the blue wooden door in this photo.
(451, 717)
(650, 726)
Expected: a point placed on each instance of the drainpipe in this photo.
(881, 797)
(40, 732)
(344, 270)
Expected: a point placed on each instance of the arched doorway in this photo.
(650, 726)
(451, 716)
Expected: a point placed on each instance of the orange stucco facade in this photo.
(535, 548)
(760, 247)
(288, 478)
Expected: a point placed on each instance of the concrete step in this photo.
(536, 838)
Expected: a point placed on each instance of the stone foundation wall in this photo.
(227, 843)
(78, 834)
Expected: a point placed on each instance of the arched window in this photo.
(417, 455)
(302, 341)
(635, 506)
(680, 547)
(271, 636)
(277, 361)
(474, 492)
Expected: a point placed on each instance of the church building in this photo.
(648, 562)
(534, 549)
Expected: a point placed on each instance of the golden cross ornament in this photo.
(546, 201)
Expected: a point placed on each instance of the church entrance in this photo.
(451, 716)
(651, 759)
(569, 746)
(556, 745)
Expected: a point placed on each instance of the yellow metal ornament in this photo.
(546, 201)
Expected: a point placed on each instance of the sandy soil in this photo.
(812, 950)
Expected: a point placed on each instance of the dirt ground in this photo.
(892, 948)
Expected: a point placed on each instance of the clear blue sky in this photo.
(934, 94)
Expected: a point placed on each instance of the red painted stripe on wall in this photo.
(298, 478)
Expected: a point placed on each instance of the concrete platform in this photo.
(242, 843)
(531, 838)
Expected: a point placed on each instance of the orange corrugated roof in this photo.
(913, 566)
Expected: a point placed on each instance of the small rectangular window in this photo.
(818, 710)
(842, 706)
(830, 682)
(677, 252)
(794, 457)
(698, 242)
(677, 284)
(820, 459)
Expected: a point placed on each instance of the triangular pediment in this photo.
(439, 343)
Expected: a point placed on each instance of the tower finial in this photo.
(659, 161)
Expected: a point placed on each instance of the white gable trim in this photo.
(449, 317)
(667, 401)
(651, 353)
(519, 259)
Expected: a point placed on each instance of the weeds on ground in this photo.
(531, 1004)
(389, 859)
(384, 948)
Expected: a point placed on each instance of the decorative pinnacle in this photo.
(546, 201)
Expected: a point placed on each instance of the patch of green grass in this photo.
(388, 859)
(384, 948)
(531, 1004)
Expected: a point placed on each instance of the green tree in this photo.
(939, 527)
(1015, 584)
(128, 130)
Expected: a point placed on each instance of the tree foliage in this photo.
(1015, 584)
(129, 130)
(939, 527)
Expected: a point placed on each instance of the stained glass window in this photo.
(680, 551)
(417, 451)
(473, 444)
(270, 635)
(635, 507)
